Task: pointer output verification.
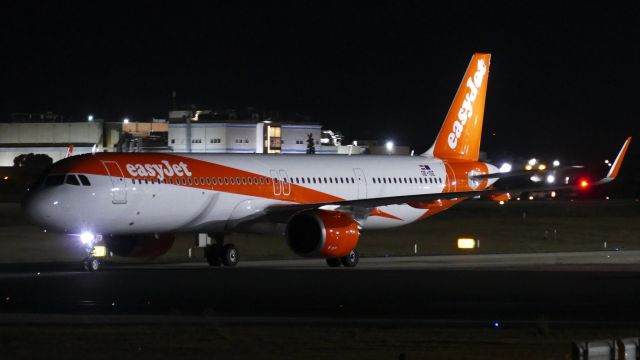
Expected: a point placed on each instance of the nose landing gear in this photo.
(95, 250)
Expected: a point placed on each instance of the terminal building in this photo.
(203, 131)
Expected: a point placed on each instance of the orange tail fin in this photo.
(459, 137)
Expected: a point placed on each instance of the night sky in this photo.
(564, 77)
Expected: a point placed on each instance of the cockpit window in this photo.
(54, 180)
(72, 180)
(84, 180)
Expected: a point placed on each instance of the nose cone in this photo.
(44, 208)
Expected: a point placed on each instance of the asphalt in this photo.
(576, 287)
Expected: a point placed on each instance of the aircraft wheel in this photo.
(91, 264)
(230, 255)
(212, 255)
(350, 260)
(333, 262)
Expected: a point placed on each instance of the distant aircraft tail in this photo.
(459, 137)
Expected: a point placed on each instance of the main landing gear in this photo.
(351, 260)
(220, 254)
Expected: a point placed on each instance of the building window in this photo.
(299, 142)
(173, 141)
(214, 141)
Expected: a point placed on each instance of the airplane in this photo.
(135, 203)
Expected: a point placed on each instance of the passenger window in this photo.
(195, 181)
(72, 180)
(213, 181)
(202, 181)
(244, 181)
(84, 180)
(250, 181)
(220, 180)
(232, 181)
(238, 180)
(341, 180)
(208, 180)
(353, 181)
(268, 181)
(226, 181)
(302, 180)
(395, 180)
(261, 180)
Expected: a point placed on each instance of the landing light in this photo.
(86, 237)
(556, 163)
(528, 167)
(551, 179)
(533, 161)
(542, 167)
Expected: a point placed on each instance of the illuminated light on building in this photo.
(389, 145)
(530, 197)
(528, 167)
(551, 179)
(504, 168)
(126, 120)
(542, 167)
(553, 194)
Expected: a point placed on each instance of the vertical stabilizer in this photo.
(460, 135)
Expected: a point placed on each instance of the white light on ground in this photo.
(466, 243)
(90, 118)
(126, 120)
(86, 237)
(535, 178)
(556, 163)
(389, 145)
(501, 202)
(506, 167)
(551, 179)
(530, 197)
(532, 161)
(553, 194)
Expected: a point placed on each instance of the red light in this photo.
(584, 184)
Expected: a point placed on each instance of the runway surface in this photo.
(596, 286)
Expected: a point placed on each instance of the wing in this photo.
(361, 207)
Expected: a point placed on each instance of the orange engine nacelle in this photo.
(322, 233)
(147, 245)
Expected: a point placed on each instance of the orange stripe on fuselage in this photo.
(189, 168)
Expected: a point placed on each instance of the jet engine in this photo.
(146, 245)
(322, 233)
